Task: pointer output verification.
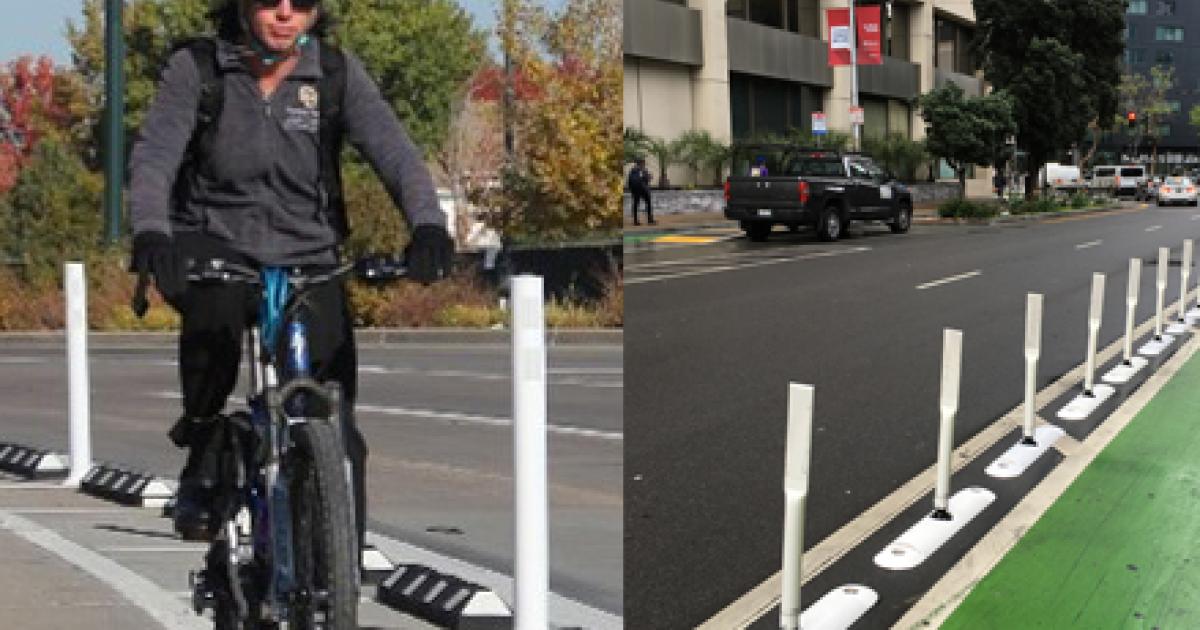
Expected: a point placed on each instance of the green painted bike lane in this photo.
(1121, 546)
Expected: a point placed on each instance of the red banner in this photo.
(870, 36)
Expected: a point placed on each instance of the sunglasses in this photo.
(301, 5)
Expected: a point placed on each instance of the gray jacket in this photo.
(263, 195)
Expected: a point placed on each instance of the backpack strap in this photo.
(332, 92)
(212, 98)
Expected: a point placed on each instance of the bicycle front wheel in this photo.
(323, 532)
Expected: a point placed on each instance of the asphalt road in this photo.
(715, 333)
(437, 423)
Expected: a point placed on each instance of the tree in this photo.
(897, 154)
(1194, 117)
(635, 144)
(565, 178)
(36, 101)
(966, 131)
(1147, 97)
(1058, 60)
(699, 149)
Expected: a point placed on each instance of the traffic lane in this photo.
(451, 489)
(585, 472)
(880, 414)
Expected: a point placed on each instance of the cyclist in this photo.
(249, 180)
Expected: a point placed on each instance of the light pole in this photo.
(114, 115)
(857, 128)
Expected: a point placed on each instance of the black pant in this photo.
(211, 343)
(638, 195)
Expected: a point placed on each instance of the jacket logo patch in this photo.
(309, 96)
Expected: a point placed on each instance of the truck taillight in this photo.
(802, 188)
(727, 190)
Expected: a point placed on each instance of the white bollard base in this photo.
(1017, 459)
(839, 609)
(921, 540)
(1155, 347)
(1193, 315)
(1178, 327)
(1121, 373)
(1083, 405)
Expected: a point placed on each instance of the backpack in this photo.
(332, 87)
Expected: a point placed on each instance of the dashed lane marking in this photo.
(1088, 244)
(683, 238)
(938, 283)
(1154, 228)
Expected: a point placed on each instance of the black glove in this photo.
(429, 254)
(154, 252)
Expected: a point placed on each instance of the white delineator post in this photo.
(531, 570)
(1160, 286)
(795, 493)
(1131, 300)
(1185, 273)
(948, 406)
(1033, 351)
(78, 404)
(1095, 312)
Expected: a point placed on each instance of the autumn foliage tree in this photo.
(564, 180)
(36, 100)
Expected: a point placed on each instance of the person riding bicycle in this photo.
(237, 160)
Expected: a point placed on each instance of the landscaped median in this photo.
(1121, 547)
(989, 209)
(35, 301)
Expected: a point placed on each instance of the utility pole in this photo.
(508, 79)
(114, 116)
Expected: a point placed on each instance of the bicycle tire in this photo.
(323, 532)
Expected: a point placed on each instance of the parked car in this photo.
(1119, 179)
(1177, 190)
(822, 188)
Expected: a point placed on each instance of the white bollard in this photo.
(1095, 312)
(1160, 285)
(795, 492)
(1185, 272)
(1131, 300)
(948, 406)
(1033, 350)
(531, 565)
(78, 402)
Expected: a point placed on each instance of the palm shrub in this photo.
(897, 153)
(699, 149)
(636, 144)
(666, 153)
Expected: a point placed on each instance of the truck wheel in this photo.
(829, 225)
(903, 220)
(757, 232)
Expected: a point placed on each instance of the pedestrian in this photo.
(760, 167)
(639, 189)
(999, 182)
(237, 159)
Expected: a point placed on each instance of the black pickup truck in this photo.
(825, 189)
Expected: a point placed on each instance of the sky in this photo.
(40, 27)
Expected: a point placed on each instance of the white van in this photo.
(1129, 178)
(1060, 176)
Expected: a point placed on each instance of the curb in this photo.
(443, 600)
(1012, 218)
(126, 487)
(31, 463)
(364, 337)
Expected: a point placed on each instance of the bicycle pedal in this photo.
(202, 596)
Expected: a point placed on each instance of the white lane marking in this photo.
(1195, 217)
(160, 604)
(1088, 244)
(41, 510)
(176, 549)
(961, 276)
(494, 376)
(564, 612)
(464, 418)
(749, 265)
(1154, 228)
(22, 360)
(492, 421)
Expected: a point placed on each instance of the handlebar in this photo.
(375, 268)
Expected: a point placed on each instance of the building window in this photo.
(1168, 33)
(1164, 131)
(1164, 7)
(1164, 58)
(735, 8)
(1136, 7)
(1135, 55)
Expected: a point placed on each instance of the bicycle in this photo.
(285, 550)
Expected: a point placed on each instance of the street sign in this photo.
(856, 115)
(818, 124)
